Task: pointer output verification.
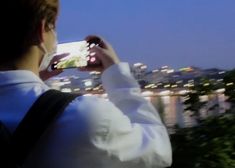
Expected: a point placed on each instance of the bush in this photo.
(209, 145)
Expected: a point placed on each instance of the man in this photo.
(91, 133)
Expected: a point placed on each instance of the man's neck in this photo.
(28, 62)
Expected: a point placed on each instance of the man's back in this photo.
(91, 132)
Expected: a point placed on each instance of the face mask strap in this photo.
(47, 56)
(42, 47)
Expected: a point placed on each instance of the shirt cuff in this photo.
(118, 76)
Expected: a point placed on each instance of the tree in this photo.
(229, 81)
(192, 99)
(211, 143)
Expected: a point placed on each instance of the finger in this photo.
(100, 54)
(93, 39)
(96, 51)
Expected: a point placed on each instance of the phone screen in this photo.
(78, 56)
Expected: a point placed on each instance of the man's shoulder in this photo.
(86, 112)
(74, 120)
(82, 103)
(80, 108)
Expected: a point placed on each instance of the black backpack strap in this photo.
(43, 112)
(5, 145)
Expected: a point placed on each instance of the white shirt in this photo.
(125, 132)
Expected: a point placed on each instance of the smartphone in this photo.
(77, 56)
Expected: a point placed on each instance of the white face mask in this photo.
(48, 55)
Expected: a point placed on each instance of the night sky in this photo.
(177, 33)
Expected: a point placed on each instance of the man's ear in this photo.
(42, 31)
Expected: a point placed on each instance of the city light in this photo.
(167, 86)
(222, 72)
(204, 98)
(174, 86)
(170, 71)
(88, 83)
(147, 93)
(138, 64)
(88, 89)
(222, 90)
(153, 80)
(165, 93)
(183, 92)
(178, 82)
(165, 67)
(66, 90)
(206, 84)
(230, 84)
(77, 89)
(95, 73)
(143, 67)
(189, 85)
(187, 69)
(154, 71)
(88, 95)
(149, 86)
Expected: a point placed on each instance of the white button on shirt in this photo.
(125, 132)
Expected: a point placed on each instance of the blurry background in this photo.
(195, 93)
(177, 33)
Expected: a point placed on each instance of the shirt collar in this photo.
(18, 77)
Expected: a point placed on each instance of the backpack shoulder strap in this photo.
(5, 138)
(42, 113)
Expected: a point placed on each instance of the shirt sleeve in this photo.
(127, 127)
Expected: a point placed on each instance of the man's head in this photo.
(27, 23)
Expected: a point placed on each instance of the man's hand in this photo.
(48, 73)
(102, 51)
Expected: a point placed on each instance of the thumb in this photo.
(93, 39)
